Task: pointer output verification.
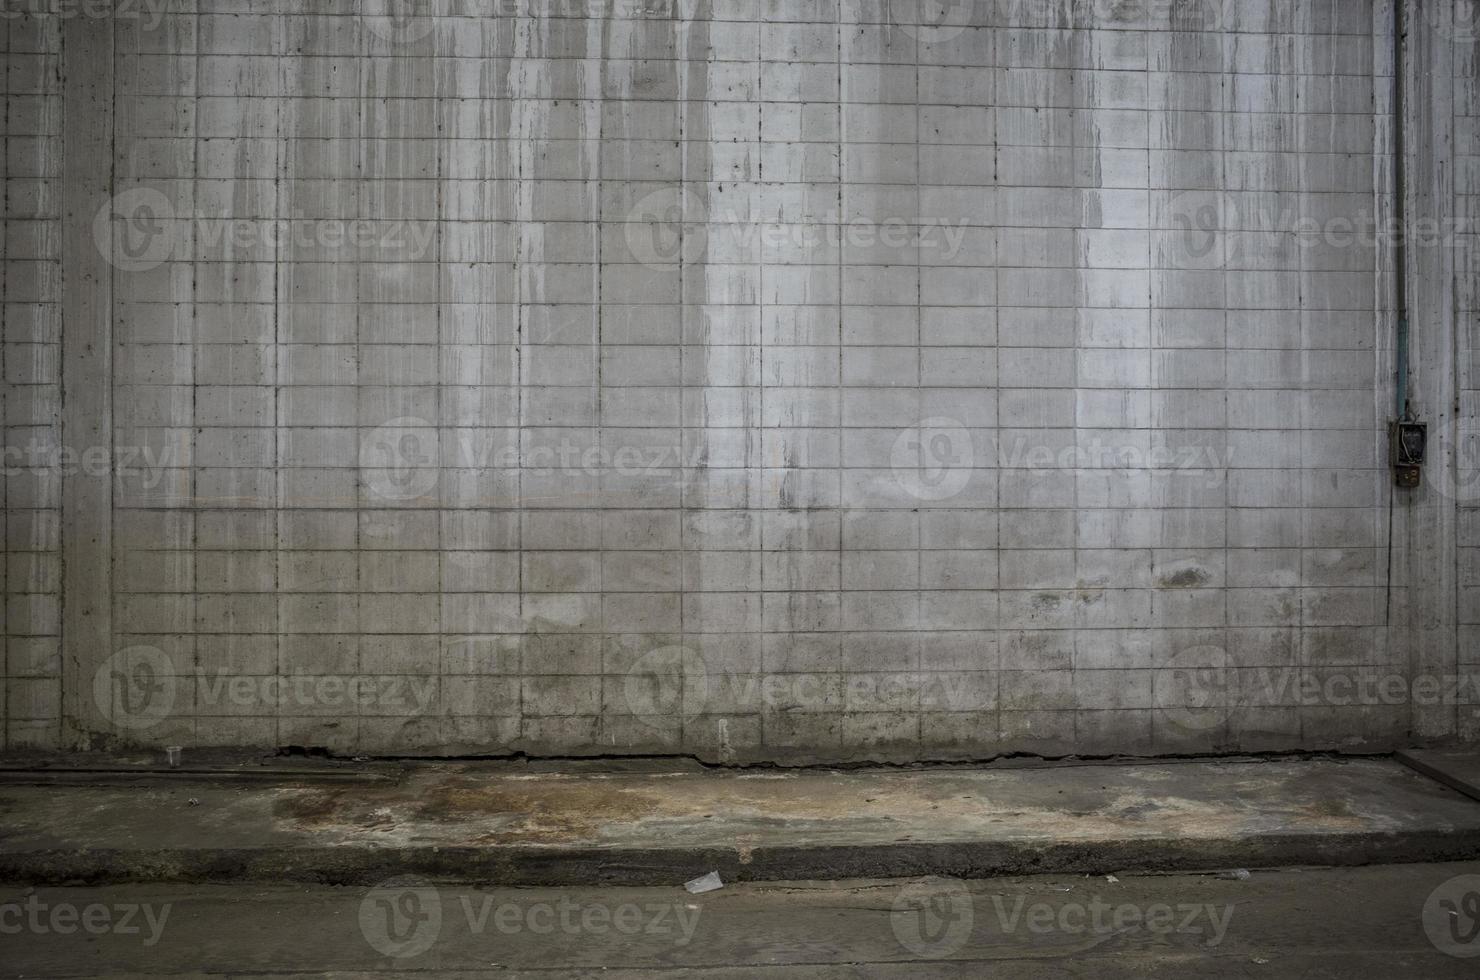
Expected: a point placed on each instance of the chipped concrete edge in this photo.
(546, 866)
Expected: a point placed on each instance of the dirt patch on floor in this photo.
(534, 813)
(469, 809)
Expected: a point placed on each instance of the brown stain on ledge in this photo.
(469, 809)
(541, 812)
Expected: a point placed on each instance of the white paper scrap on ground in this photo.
(706, 883)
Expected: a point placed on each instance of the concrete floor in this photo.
(517, 825)
(1312, 923)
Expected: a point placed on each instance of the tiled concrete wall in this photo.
(756, 379)
(1462, 429)
(30, 398)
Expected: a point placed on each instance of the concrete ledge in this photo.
(670, 866)
(1459, 769)
(497, 825)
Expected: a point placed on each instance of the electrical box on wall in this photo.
(1410, 441)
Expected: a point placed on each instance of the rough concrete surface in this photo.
(755, 380)
(476, 823)
(1457, 768)
(1318, 925)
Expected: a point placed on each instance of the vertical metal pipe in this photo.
(1400, 209)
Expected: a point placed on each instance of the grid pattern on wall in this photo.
(1463, 435)
(30, 386)
(749, 379)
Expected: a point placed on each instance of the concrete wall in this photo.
(746, 379)
(1435, 594)
(30, 370)
(1464, 408)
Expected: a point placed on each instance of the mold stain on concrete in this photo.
(1187, 578)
